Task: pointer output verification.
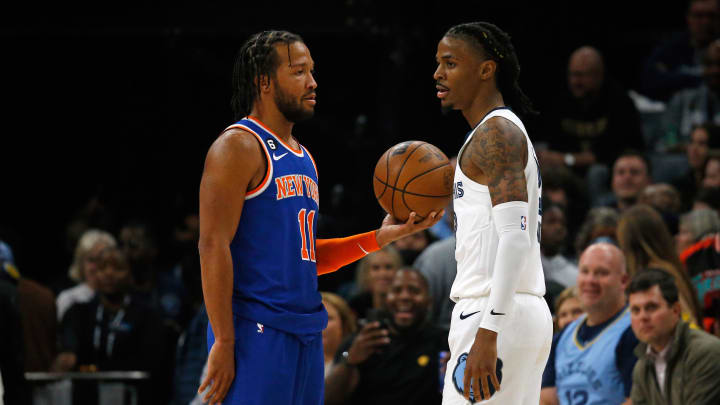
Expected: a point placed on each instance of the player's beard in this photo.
(292, 108)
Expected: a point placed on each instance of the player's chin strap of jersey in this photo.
(510, 220)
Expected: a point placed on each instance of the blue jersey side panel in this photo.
(588, 373)
(275, 276)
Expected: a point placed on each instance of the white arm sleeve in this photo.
(510, 220)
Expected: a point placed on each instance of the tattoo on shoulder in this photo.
(499, 149)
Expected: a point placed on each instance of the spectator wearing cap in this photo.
(676, 364)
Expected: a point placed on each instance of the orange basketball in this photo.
(413, 176)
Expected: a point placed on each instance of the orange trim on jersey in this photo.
(317, 176)
(703, 244)
(257, 121)
(332, 254)
(268, 172)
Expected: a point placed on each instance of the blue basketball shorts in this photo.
(274, 367)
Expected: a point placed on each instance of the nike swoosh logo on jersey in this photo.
(279, 157)
(463, 316)
(492, 312)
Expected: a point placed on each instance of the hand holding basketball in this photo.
(413, 176)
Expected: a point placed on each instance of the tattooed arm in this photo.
(497, 157)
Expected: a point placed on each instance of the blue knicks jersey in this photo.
(588, 374)
(273, 251)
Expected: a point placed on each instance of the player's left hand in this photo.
(392, 229)
(480, 365)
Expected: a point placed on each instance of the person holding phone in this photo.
(394, 358)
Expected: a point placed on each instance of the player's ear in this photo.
(263, 82)
(487, 69)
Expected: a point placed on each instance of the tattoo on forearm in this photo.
(499, 149)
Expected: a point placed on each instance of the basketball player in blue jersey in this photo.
(258, 251)
(501, 327)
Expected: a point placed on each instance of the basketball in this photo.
(413, 176)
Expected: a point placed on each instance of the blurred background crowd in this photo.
(113, 107)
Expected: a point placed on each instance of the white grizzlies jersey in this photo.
(477, 239)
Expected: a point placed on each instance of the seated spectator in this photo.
(592, 119)
(13, 386)
(707, 198)
(711, 171)
(374, 275)
(591, 360)
(703, 138)
(36, 304)
(695, 226)
(114, 331)
(438, 265)
(600, 225)
(191, 354)
(676, 364)
(702, 261)
(665, 199)
(560, 186)
(556, 265)
(412, 245)
(160, 290)
(675, 64)
(83, 269)
(630, 176)
(341, 324)
(567, 307)
(694, 106)
(646, 242)
(395, 360)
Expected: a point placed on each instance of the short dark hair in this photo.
(637, 154)
(647, 279)
(256, 58)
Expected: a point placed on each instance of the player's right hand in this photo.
(369, 340)
(221, 372)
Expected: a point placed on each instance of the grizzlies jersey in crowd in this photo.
(273, 251)
(476, 236)
(588, 373)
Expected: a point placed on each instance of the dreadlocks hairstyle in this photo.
(495, 44)
(256, 58)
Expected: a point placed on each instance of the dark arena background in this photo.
(110, 106)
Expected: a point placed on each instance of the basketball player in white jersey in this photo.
(501, 328)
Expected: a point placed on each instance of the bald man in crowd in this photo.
(591, 119)
(591, 360)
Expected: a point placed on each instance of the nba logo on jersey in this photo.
(523, 222)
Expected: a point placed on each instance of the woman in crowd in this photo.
(646, 242)
(567, 307)
(84, 269)
(374, 275)
(341, 324)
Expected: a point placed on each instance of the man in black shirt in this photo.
(396, 358)
(114, 332)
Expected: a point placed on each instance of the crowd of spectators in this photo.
(630, 245)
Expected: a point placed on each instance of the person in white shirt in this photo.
(501, 327)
